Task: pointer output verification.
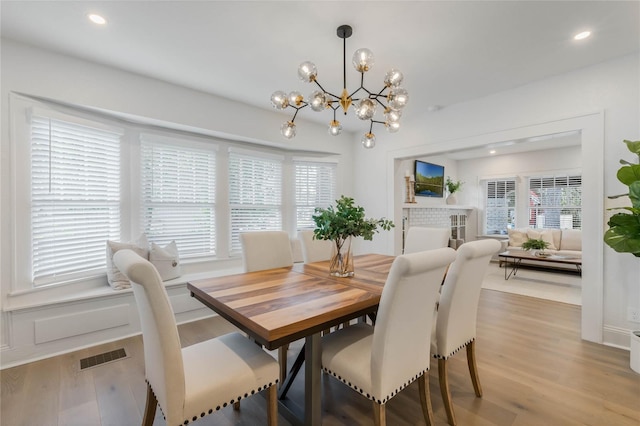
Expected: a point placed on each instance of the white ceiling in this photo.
(448, 51)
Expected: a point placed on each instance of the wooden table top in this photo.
(523, 254)
(278, 306)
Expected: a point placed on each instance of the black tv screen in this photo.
(429, 179)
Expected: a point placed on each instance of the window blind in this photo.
(75, 198)
(178, 196)
(500, 206)
(315, 186)
(555, 202)
(255, 194)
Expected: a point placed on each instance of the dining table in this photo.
(275, 307)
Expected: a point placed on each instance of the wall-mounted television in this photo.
(429, 179)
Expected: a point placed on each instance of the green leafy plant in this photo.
(453, 186)
(623, 234)
(345, 220)
(533, 244)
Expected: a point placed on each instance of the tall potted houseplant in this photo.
(340, 225)
(623, 234)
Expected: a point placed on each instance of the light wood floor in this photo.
(534, 369)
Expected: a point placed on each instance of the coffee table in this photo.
(515, 258)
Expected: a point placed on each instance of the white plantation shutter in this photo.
(500, 205)
(178, 196)
(255, 194)
(555, 202)
(75, 198)
(315, 186)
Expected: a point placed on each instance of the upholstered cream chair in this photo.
(314, 250)
(268, 250)
(422, 238)
(456, 320)
(191, 382)
(378, 362)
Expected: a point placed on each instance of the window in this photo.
(315, 186)
(555, 202)
(178, 195)
(500, 206)
(75, 197)
(255, 194)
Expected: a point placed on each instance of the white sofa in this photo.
(562, 242)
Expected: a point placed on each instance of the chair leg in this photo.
(473, 368)
(272, 406)
(282, 360)
(150, 407)
(379, 414)
(425, 399)
(444, 390)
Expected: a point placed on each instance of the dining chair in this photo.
(313, 250)
(268, 250)
(420, 238)
(455, 326)
(191, 382)
(379, 361)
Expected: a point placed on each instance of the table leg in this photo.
(312, 380)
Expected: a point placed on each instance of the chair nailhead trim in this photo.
(211, 410)
(438, 356)
(371, 397)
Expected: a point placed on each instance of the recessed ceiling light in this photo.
(493, 151)
(97, 19)
(582, 35)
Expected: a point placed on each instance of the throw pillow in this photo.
(116, 279)
(516, 237)
(166, 260)
(546, 235)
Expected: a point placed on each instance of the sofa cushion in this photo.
(517, 237)
(551, 236)
(571, 240)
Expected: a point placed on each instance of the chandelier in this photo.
(391, 98)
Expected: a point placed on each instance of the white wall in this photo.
(40, 73)
(610, 89)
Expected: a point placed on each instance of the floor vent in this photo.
(99, 359)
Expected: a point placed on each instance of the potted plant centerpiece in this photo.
(537, 246)
(340, 225)
(623, 234)
(452, 188)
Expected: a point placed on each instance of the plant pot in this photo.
(451, 199)
(341, 261)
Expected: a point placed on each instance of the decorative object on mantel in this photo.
(452, 188)
(623, 234)
(365, 107)
(340, 225)
(537, 247)
(410, 188)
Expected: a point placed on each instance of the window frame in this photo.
(514, 208)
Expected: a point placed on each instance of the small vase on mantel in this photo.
(341, 261)
(451, 199)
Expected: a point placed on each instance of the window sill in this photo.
(38, 298)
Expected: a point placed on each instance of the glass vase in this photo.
(341, 261)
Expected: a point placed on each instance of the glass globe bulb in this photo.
(392, 126)
(279, 100)
(398, 98)
(307, 71)
(288, 130)
(295, 98)
(392, 115)
(365, 109)
(363, 60)
(335, 128)
(318, 101)
(368, 140)
(393, 78)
